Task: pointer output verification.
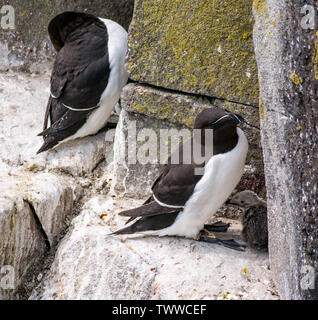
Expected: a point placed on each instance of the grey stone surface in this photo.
(286, 58)
(28, 46)
(131, 177)
(52, 199)
(21, 242)
(38, 192)
(92, 264)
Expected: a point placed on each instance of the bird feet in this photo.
(230, 243)
(217, 227)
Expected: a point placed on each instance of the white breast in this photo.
(117, 49)
(222, 173)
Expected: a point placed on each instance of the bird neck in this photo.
(224, 139)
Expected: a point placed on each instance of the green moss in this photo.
(195, 46)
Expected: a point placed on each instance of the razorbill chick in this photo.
(254, 218)
(87, 78)
(183, 201)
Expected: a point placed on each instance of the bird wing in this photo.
(176, 182)
(149, 209)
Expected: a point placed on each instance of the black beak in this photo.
(228, 201)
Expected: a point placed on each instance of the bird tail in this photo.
(49, 142)
(150, 223)
(127, 230)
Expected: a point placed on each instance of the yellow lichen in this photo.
(261, 109)
(259, 7)
(162, 54)
(295, 78)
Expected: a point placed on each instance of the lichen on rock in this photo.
(196, 46)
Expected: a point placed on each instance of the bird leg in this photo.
(217, 226)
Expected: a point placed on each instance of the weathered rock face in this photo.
(202, 47)
(92, 264)
(28, 45)
(51, 199)
(21, 242)
(286, 54)
(38, 192)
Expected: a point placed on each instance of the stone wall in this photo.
(286, 53)
(28, 46)
(186, 56)
(190, 46)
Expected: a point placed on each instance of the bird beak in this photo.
(228, 201)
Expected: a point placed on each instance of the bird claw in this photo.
(230, 243)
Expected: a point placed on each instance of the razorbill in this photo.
(87, 78)
(182, 201)
(254, 218)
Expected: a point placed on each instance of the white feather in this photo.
(221, 174)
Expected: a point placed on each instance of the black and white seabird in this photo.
(87, 78)
(254, 218)
(182, 201)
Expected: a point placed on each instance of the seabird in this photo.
(87, 78)
(182, 201)
(254, 218)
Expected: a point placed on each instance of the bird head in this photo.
(216, 118)
(245, 199)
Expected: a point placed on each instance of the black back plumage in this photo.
(80, 73)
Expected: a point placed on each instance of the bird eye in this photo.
(242, 201)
